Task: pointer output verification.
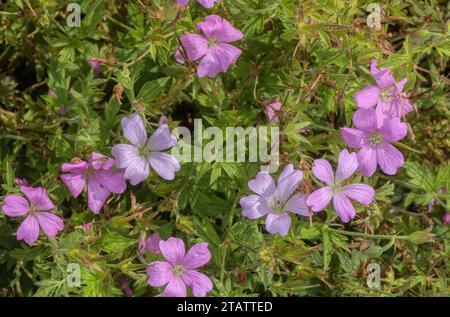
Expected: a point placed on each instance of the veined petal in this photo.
(365, 120)
(347, 165)
(263, 184)
(218, 59)
(159, 273)
(197, 256)
(50, 223)
(219, 29)
(320, 198)
(133, 129)
(164, 164)
(199, 282)
(393, 130)
(161, 139)
(367, 161)
(175, 288)
(362, 193)
(297, 204)
(74, 182)
(367, 97)
(112, 180)
(343, 207)
(389, 158)
(172, 250)
(278, 223)
(353, 137)
(287, 186)
(97, 195)
(37, 196)
(127, 156)
(195, 45)
(323, 171)
(28, 230)
(75, 168)
(254, 206)
(15, 206)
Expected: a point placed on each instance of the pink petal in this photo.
(38, 197)
(197, 256)
(112, 180)
(297, 204)
(271, 110)
(159, 273)
(97, 195)
(347, 165)
(254, 207)
(15, 206)
(175, 288)
(367, 161)
(323, 171)
(287, 186)
(219, 29)
(28, 230)
(152, 244)
(382, 76)
(389, 158)
(208, 4)
(199, 282)
(74, 182)
(362, 193)
(100, 161)
(173, 250)
(263, 184)
(278, 223)
(75, 168)
(218, 59)
(343, 207)
(367, 97)
(195, 45)
(365, 120)
(161, 139)
(165, 165)
(127, 156)
(393, 130)
(320, 198)
(133, 129)
(353, 137)
(50, 223)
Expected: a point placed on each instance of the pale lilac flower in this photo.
(136, 157)
(151, 244)
(208, 4)
(375, 142)
(275, 200)
(37, 209)
(95, 64)
(336, 189)
(386, 97)
(446, 218)
(101, 177)
(212, 47)
(272, 110)
(180, 270)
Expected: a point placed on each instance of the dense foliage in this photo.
(64, 91)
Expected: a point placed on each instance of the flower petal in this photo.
(219, 29)
(75, 168)
(15, 206)
(367, 97)
(382, 76)
(278, 223)
(133, 129)
(263, 184)
(218, 59)
(323, 171)
(389, 158)
(159, 273)
(112, 180)
(197, 256)
(161, 139)
(164, 164)
(365, 120)
(199, 282)
(127, 156)
(254, 206)
(100, 161)
(362, 193)
(74, 182)
(195, 45)
(173, 250)
(28, 230)
(152, 244)
(287, 186)
(343, 207)
(320, 198)
(353, 137)
(50, 223)
(393, 130)
(175, 288)
(347, 165)
(97, 195)
(297, 204)
(38, 197)
(367, 161)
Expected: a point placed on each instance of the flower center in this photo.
(386, 95)
(178, 270)
(375, 139)
(143, 151)
(277, 206)
(211, 42)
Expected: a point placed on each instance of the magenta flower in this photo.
(212, 47)
(37, 209)
(275, 200)
(180, 270)
(446, 218)
(375, 142)
(336, 189)
(102, 179)
(136, 157)
(95, 64)
(272, 110)
(386, 97)
(151, 244)
(208, 4)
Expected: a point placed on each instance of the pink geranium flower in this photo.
(205, 3)
(212, 47)
(386, 97)
(336, 189)
(136, 157)
(275, 200)
(375, 142)
(101, 177)
(37, 209)
(272, 110)
(180, 269)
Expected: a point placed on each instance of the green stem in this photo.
(369, 236)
